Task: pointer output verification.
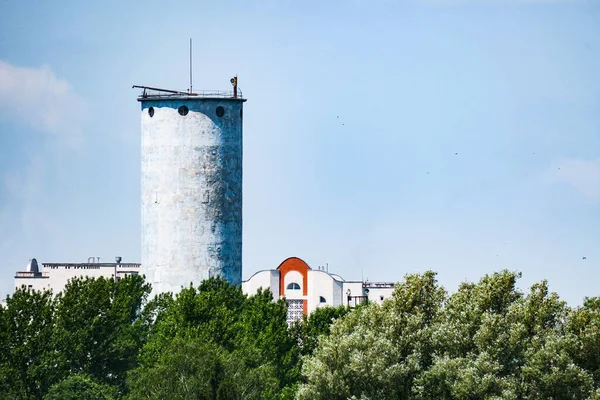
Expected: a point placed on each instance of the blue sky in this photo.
(468, 137)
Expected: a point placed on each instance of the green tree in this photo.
(376, 352)
(317, 324)
(250, 330)
(27, 358)
(584, 323)
(263, 338)
(463, 378)
(550, 371)
(81, 387)
(98, 330)
(194, 369)
(486, 341)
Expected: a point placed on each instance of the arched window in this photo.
(322, 299)
(293, 286)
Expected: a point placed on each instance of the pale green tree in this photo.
(488, 340)
(376, 352)
(584, 323)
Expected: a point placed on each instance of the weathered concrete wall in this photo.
(191, 192)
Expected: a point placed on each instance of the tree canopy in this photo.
(105, 339)
(486, 341)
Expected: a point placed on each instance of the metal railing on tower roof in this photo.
(150, 92)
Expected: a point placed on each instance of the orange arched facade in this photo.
(306, 289)
(294, 264)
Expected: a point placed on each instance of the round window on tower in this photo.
(183, 110)
(151, 112)
(220, 111)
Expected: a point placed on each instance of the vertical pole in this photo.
(190, 65)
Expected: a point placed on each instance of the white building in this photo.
(306, 289)
(55, 276)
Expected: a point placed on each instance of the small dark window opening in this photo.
(381, 298)
(151, 112)
(220, 111)
(293, 286)
(241, 112)
(183, 110)
(322, 299)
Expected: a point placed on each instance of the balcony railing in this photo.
(209, 94)
(374, 285)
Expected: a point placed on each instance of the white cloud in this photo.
(37, 97)
(582, 175)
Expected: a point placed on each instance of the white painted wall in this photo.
(356, 288)
(375, 294)
(268, 279)
(38, 283)
(338, 292)
(320, 283)
(55, 277)
(293, 276)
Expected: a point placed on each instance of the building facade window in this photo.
(322, 299)
(293, 286)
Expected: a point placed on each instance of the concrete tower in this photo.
(191, 188)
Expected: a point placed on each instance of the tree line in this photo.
(105, 339)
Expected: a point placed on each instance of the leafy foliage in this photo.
(249, 332)
(486, 341)
(91, 328)
(97, 330)
(81, 387)
(26, 347)
(317, 324)
(193, 369)
(377, 351)
(103, 339)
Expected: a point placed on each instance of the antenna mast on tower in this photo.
(190, 65)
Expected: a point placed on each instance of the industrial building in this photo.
(54, 276)
(306, 289)
(191, 202)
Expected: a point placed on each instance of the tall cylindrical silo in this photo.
(191, 190)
